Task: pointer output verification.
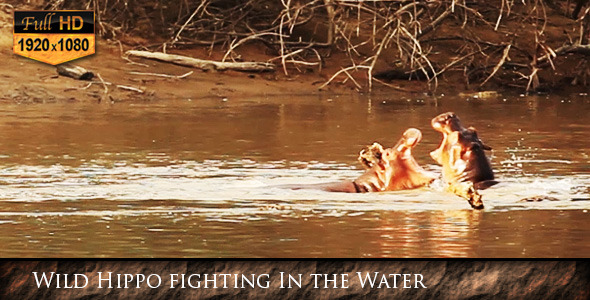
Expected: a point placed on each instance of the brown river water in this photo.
(181, 178)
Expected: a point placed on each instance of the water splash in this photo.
(246, 187)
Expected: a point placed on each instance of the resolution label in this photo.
(54, 37)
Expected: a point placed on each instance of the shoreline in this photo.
(28, 81)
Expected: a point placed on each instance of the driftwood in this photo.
(579, 49)
(75, 72)
(163, 75)
(204, 64)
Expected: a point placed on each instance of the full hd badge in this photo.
(54, 37)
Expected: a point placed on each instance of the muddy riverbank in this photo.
(28, 81)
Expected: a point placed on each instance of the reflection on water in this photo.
(201, 179)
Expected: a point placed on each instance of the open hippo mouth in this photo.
(386, 169)
(376, 155)
(391, 169)
(410, 139)
(461, 154)
(444, 122)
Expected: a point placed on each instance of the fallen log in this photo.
(204, 64)
(578, 49)
(75, 72)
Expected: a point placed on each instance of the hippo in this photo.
(462, 156)
(387, 169)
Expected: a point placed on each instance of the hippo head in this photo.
(376, 155)
(407, 173)
(461, 154)
(446, 123)
(393, 168)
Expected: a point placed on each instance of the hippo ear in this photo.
(364, 159)
(473, 132)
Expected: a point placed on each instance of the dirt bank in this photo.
(25, 80)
